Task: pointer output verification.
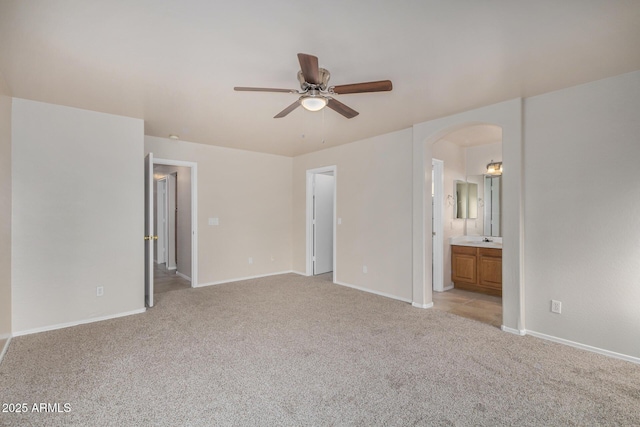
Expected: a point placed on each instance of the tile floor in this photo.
(472, 305)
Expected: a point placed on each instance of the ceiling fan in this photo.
(314, 92)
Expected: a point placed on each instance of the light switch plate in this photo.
(214, 221)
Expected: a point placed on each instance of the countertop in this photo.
(476, 241)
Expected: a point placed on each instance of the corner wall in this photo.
(250, 194)
(77, 216)
(5, 215)
(374, 203)
(582, 194)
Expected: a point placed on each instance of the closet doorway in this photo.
(321, 221)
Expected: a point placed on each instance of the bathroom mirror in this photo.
(483, 203)
(466, 201)
(462, 193)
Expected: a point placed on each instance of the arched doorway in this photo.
(507, 115)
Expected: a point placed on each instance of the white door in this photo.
(148, 229)
(161, 247)
(323, 223)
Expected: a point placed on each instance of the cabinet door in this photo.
(464, 268)
(490, 271)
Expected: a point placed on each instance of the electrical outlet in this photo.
(364, 269)
(250, 260)
(556, 306)
(99, 291)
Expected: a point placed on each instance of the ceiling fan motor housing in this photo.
(325, 75)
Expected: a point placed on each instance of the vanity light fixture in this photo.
(494, 168)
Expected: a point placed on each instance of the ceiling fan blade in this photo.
(339, 107)
(379, 86)
(309, 67)
(287, 110)
(263, 89)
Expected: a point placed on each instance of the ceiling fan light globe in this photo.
(313, 103)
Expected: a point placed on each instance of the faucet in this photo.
(486, 239)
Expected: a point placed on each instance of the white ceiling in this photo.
(174, 63)
(474, 135)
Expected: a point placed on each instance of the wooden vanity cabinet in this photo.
(464, 265)
(477, 269)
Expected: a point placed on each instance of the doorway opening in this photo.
(173, 228)
(321, 221)
(171, 250)
(471, 284)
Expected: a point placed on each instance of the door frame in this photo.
(149, 240)
(194, 211)
(438, 228)
(309, 214)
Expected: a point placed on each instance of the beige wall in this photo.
(478, 157)
(250, 194)
(582, 194)
(5, 213)
(374, 203)
(77, 215)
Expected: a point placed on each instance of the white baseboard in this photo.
(371, 291)
(300, 273)
(201, 285)
(448, 288)
(415, 304)
(184, 276)
(76, 323)
(6, 346)
(584, 347)
(513, 331)
(172, 268)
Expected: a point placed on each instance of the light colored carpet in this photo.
(295, 351)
